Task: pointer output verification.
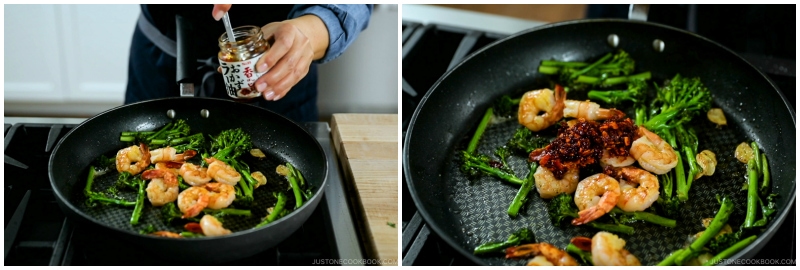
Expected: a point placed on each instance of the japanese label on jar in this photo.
(240, 78)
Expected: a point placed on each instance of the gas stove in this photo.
(38, 233)
(431, 48)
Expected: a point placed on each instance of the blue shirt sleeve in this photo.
(344, 23)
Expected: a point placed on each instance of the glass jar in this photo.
(237, 61)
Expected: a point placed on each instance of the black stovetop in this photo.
(38, 233)
(430, 50)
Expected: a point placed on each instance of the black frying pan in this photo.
(467, 212)
(279, 138)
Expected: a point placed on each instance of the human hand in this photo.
(219, 10)
(294, 44)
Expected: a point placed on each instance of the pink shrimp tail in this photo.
(607, 202)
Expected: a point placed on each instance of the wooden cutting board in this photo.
(367, 148)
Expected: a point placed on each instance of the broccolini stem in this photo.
(549, 70)
(228, 211)
(756, 156)
(765, 173)
(680, 180)
(552, 63)
(641, 115)
(522, 194)
(137, 210)
(159, 132)
(298, 197)
(752, 193)
(618, 228)
(276, 211)
(590, 67)
(89, 181)
(473, 144)
(728, 252)
(99, 197)
(647, 217)
(490, 248)
(510, 178)
(191, 235)
(572, 248)
(720, 219)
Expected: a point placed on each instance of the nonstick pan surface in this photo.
(279, 138)
(466, 212)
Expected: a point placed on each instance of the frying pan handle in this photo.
(638, 12)
(186, 56)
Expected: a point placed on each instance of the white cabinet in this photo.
(68, 60)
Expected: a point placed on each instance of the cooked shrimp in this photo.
(160, 193)
(608, 249)
(133, 159)
(587, 110)
(163, 186)
(609, 160)
(212, 227)
(639, 188)
(548, 186)
(220, 195)
(170, 154)
(222, 172)
(192, 200)
(653, 153)
(541, 101)
(169, 177)
(595, 196)
(194, 175)
(544, 254)
(169, 166)
(167, 234)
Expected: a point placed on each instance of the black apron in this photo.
(152, 63)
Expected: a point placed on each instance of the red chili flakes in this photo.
(577, 146)
(617, 135)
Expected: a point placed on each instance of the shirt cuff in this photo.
(344, 23)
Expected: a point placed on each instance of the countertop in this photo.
(367, 147)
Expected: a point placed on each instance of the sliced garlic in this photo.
(708, 162)
(744, 153)
(716, 116)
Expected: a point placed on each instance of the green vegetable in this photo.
(525, 141)
(522, 236)
(562, 210)
(227, 147)
(583, 257)
(611, 69)
(148, 229)
(230, 144)
(720, 219)
(191, 235)
(277, 211)
(170, 213)
(628, 217)
(173, 131)
(473, 143)
(137, 210)
(522, 194)
(92, 197)
(636, 93)
(297, 183)
(676, 103)
(477, 164)
(733, 249)
(505, 106)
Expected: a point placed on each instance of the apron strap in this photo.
(170, 47)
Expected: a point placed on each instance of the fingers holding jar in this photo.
(294, 44)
